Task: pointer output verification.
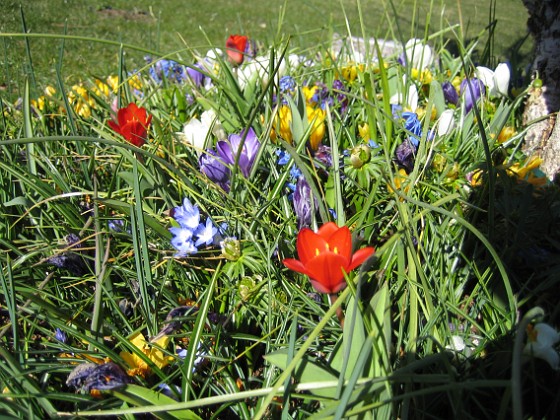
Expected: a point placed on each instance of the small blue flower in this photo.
(182, 241)
(60, 336)
(413, 125)
(283, 157)
(205, 233)
(187, 215)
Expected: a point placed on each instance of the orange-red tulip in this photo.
(235, 48)
(133, 123)
(326, 256)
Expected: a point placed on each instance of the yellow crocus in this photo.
(316, 117)
(282, 126)
(151, 350)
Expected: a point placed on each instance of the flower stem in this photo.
(339, 313)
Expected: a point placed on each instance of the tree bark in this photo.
(543, 103)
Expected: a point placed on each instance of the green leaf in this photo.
(139, 396)
(306, 371)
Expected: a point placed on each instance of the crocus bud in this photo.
(471, 91)
(450, 93)
(303, 205)
(360, 155)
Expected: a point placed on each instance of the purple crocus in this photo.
(214, 168)
(450, 93)
(405, 155)
(243, 148)
(471, 91)
(195, 75)
(302, 202)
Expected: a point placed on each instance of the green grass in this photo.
(182, 27)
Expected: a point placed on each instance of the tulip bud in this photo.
(360, 155)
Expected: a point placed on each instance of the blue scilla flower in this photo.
(287, 85)
(187, 215)
(61, 336)
(283, 157)
(412, 124)
(182, 241)
(205, 233)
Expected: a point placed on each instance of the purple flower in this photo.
(195, 75)
(405, 155)
(324, 155)
(450, 93)
(471, 91)
(242, 148)
(302, 203)
(214, 168)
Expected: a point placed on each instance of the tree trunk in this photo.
(543, 137)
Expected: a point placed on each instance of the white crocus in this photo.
(497, 81)
(446, 122)
(258, 70)
(418, 55)
(410, 102)
(540, 343)
(196, 131)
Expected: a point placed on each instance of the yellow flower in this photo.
(135, 82)
(350, 71)
(522, 171)
(425, 77)
(50, 91)
(399, 181)
(113, 82)
(151, 350)
(475, 177)
(101, 89)
(282, 124)
(308, 92)
(316, 117)
(507, 133)
(363, 130)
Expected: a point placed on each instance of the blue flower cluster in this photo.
(175, 72)
(191, 233)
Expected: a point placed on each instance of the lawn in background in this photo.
(187, 26)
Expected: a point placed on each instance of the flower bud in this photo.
(360, 155)
(231, 249)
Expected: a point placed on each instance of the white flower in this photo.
(445, 123)
(540, 343)
(411, 99)
(259, 69)
(458, 345)
(418, 55)
(496, 81)
(196, 131)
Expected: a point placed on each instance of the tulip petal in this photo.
(295, 265)
(340, 242)
(309, 244)
(360, 256)
(327, 269)
(327, 230)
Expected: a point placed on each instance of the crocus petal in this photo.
(502, 76)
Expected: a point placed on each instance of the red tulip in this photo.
(133, 123)
(326, 256)
(235, 48)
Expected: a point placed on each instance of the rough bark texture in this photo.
(543, 137)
